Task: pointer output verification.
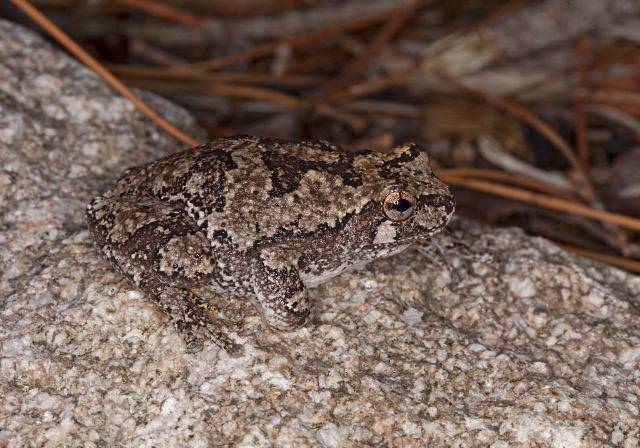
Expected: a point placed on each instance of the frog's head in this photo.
(411, 203)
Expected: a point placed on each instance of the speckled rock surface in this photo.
(530, 347)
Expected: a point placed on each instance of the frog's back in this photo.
(244, 189)
(258, 158)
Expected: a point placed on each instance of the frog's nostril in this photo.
(438, 201)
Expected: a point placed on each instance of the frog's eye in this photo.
(399, 205)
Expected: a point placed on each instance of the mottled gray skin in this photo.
(263, 219)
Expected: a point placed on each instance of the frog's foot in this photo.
(441, 247)
(233, 315)
(194, 341)
(193, 324)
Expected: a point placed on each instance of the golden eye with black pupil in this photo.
(399, 205)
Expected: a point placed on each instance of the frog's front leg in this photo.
(162, 250)
(281, 294)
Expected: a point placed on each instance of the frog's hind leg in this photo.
(142, 234)
(162, 250)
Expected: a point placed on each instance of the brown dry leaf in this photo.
(470, 121)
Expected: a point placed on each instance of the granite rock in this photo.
(529, 346)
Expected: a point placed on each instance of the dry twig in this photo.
(623, 263)
(356, 67)
(295, 41)
(541, 200)
(165, 11)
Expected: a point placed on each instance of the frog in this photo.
(264, 219)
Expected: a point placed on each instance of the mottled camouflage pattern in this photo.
(262, 218)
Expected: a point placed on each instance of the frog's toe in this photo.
(234, 316)
(194, 346)
(231, 314)
(234, 350)
(203, 329)
(284, 318)
(194, 340)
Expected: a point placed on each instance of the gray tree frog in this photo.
(263, 219)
